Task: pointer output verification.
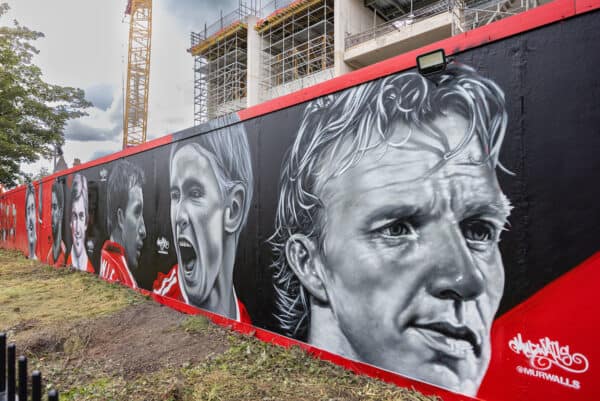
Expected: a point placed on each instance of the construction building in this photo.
(259, 52)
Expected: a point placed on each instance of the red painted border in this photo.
(274, 338)
(525, 21)
(584, 6)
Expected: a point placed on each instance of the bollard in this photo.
(36, 386)
(2, 363)
(10, 385)
(22, 378)
(52, 395)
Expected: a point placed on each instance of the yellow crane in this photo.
(135, 119)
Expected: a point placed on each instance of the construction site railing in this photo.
(486, 12)
(398, 23)
(466, 16)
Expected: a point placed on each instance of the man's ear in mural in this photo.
(234, 212)
(304, 258)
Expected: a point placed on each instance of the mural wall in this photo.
(441, 228)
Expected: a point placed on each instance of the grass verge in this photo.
(97, 341)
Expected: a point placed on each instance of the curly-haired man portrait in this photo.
(388, 223)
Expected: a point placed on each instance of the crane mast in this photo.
(135, 119)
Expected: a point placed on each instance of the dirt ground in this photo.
(97, 341)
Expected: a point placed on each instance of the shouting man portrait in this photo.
(211, 188)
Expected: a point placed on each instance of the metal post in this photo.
(36, 386)
(10, 394)
(2, 363)
(22, 378)
(52, 395)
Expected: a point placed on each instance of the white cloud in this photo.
(86, 46)
(100, 95)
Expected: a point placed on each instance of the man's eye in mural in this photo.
(479, 233)
(397, 229)
(175, 195)
(196, 192)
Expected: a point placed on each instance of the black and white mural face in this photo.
(133, 227)
(125, 223)
(197, 214)
(79, 223)
(31, 221)
(210, 188)
(56, 255)
(388, 225)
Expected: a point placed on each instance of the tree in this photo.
(43, 172)
(33, 113)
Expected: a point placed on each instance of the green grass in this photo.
(47, 296)
(34, 298)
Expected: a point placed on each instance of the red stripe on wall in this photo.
(274, 338)
(534, 18)
(568, 297)
(163, 140)
(583, 6)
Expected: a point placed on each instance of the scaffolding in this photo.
(297, 43)
(220, 65)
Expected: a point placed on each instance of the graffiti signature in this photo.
(546, 352)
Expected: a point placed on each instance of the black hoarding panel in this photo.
(443, 228)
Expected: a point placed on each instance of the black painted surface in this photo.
(550, 79)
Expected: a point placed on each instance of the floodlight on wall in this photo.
(432, 63)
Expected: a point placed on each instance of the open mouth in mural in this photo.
(187, 253)
(453, 341)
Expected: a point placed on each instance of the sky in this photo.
(85, 46)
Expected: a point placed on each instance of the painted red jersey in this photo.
(60, 261)
(113, 265)
(167, 285)
(89, 268)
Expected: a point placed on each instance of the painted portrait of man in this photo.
(56, 254)
(388, 223)
(125, 206)
(31, 220)
(78, 258)
(211, 187)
